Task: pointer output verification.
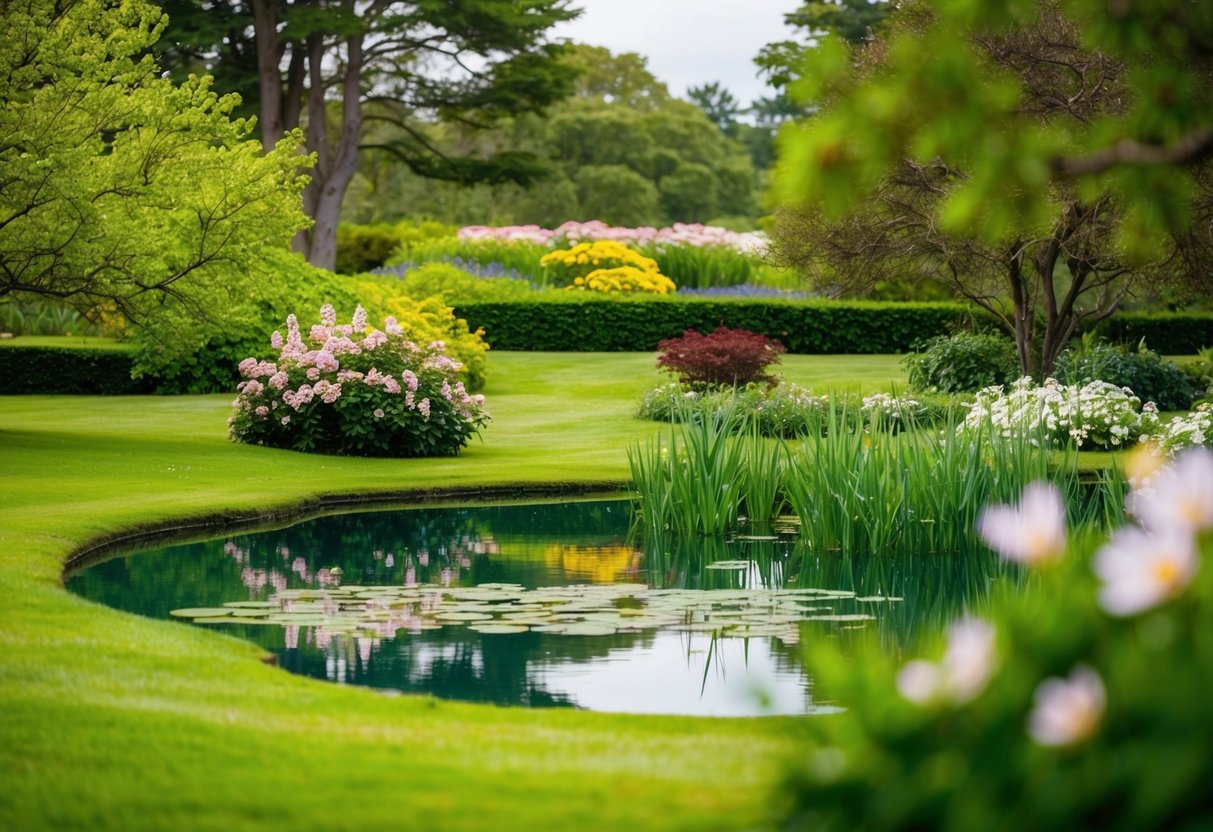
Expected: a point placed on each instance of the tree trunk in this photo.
(269, 79)
(336, 164)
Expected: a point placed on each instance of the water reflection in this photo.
(534, 546)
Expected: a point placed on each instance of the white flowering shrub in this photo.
(1096, 415)
(352, 389)
(1079, 703)
(1195, 428)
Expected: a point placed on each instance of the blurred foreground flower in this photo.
(1032, 532)
(1180, 497)
(963, 672)
(1141, 569)
(1067, 710)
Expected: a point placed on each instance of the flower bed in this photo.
(355, 390)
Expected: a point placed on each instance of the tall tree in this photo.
(119, 190)
(1039, 159)
(720, 105)
(331, 66)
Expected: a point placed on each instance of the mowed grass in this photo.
(111, 721)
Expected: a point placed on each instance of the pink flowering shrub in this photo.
(352, 389)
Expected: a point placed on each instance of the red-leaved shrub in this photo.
(725, 357)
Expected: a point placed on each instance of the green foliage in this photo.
(1170, 333)
(962, 363)
(191, 355)
(517, 259)
(608, 149)
(66, 371)
(938, 95)
(361, 248)
(1141, 370)
(883, 491)
(33, 317)
(579, 323)
(1128, 758)
(122, 191)
(617, 195)
(457, 286)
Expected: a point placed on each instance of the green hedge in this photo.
(1169, 333)
(69, 371)
(595, 324)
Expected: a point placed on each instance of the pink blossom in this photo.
(326, 362)
(328, 315)
(278, 380)
(392, 327)
(424, 407)
(319, 333)
(262, 411)
(276, 340)
(313, 373)
(359, 319)
(349, 375)
(331, 393)
(391, 385)
(438, 345)
(446, 390)
(410, 379)
(378, 413)
(294, 342)
(246, 367)
(410, 400)
(286, 420)
(373, 341)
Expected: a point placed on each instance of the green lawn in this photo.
(113, 721)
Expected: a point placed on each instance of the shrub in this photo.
(1195, 428)
(564, 266)
(962, 363)
(428, 319)
(188, 353)
(623, 279)
(733, 357)
(1144, 371)
(1098, 414)
(589, 322)
(1171, 333)
(361, 248)
(355, 390)
(785, 410)
(68, 371)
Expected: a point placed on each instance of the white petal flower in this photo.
(1141, 569)
(1067, 710)
(1032, 532)
(920, 681)
(1180, 496)
(963, 672)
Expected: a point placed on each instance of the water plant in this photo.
(883, 491)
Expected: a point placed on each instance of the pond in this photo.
(543, 604)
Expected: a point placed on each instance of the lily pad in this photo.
(202, 612)
(499, 629)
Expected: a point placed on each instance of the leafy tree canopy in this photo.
(1127, 111)
(120, 191)
(1042, 157)
(333, 66)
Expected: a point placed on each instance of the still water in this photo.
(466, 603)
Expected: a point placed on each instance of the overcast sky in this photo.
(688, 42)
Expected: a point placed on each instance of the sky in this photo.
(688, 42)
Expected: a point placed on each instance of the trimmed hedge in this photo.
(68, 371)
(1169, 333)
(588, 324)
